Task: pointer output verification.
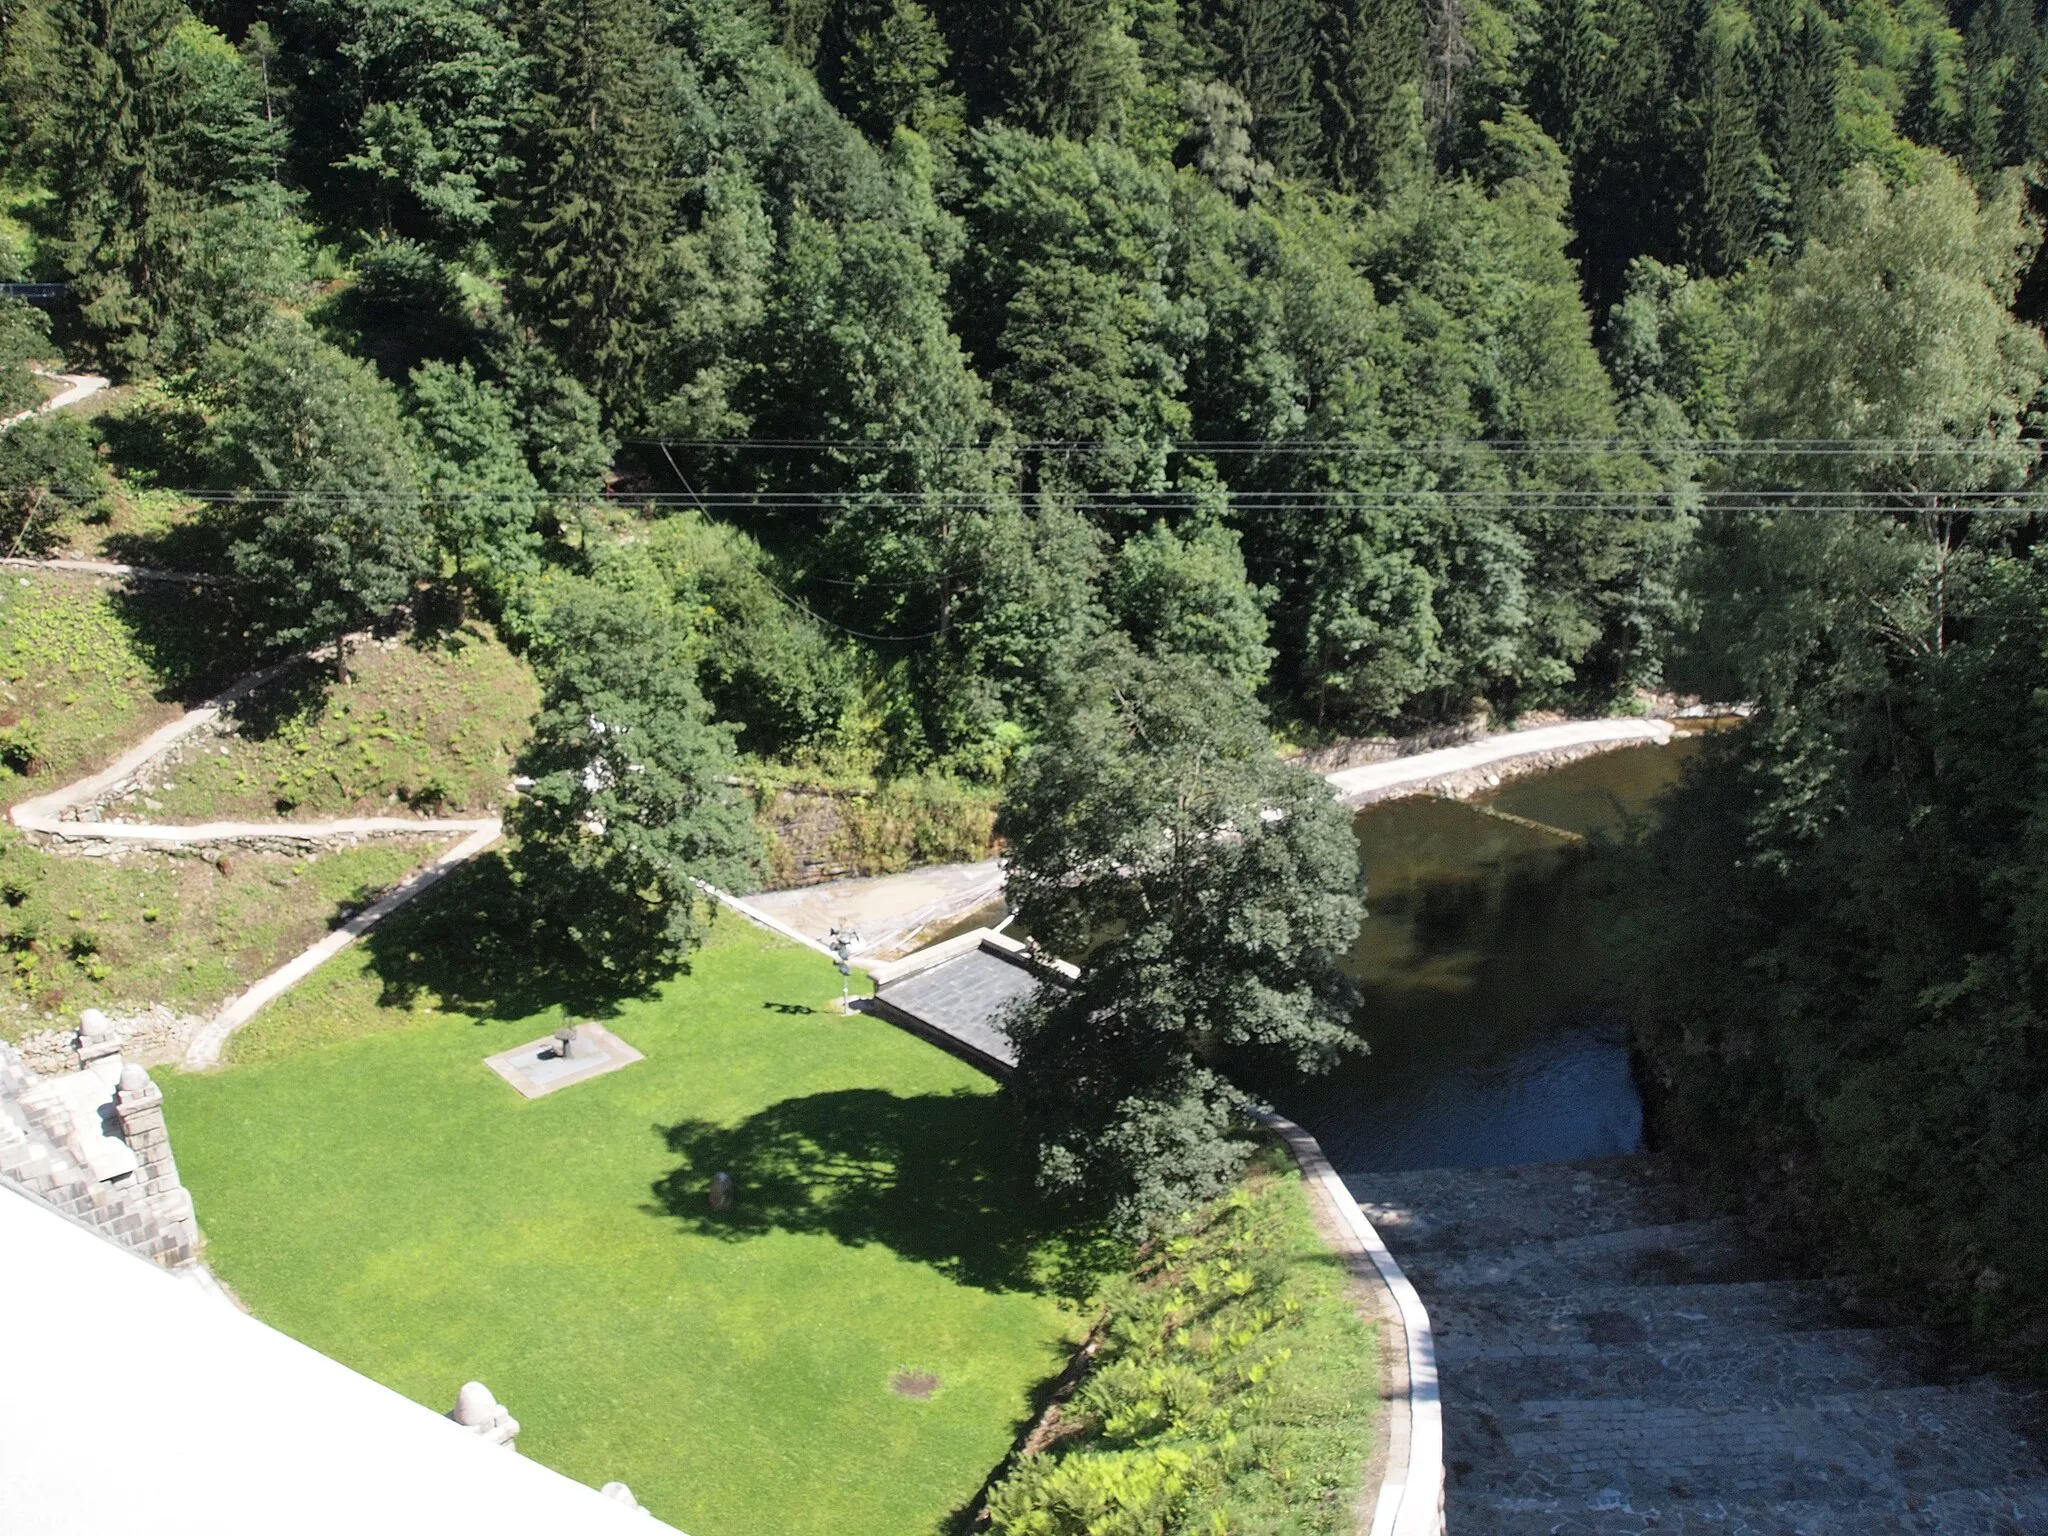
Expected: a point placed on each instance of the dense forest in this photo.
(858, 384)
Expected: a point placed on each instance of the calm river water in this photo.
(1480, 977)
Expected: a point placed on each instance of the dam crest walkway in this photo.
(1614, 1361)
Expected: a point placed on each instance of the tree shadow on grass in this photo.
(298, 694)
(191, 637)
(476, 946)
(942, 1179)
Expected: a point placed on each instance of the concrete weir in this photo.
(1614, 1362)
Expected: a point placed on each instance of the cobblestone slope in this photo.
(1613, 1363)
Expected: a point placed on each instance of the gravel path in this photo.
(54, 817)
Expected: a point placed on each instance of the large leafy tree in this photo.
(1841, 914)
(401, 110)
(327, 531)
(482, 502)
(1212, 890)
(630, 804)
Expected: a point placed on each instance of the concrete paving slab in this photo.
(538, 1067)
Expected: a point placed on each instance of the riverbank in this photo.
(895, 914)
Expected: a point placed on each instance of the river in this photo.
(1480, 979)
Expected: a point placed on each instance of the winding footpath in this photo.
(77, 387)
(60, 820)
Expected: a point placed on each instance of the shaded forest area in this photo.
(848, 384)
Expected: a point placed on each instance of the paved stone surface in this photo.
(1407, 775)
(889, 912)
(1616, 1362)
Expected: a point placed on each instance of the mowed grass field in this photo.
(388, 1200)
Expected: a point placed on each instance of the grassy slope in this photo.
(151, 928)
(73, 676)
(87, 668)
(389, 1201)
(1238, 1388)
(428, 724)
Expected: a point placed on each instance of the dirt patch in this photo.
(915, 1384)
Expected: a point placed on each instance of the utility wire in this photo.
(1775, 447)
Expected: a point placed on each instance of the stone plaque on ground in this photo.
(541, 1066)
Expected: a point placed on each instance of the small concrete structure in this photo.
(477, 1410)
(955, 994)
(573, 1054)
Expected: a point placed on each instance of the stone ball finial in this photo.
(93, 1024)
(474, 1406)
(135, 1080)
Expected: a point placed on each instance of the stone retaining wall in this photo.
(1409, 1498)
(42, 1151)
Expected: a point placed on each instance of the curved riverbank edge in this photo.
(1410, 1501)
(1464, 769)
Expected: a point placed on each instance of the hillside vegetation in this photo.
(917, 391)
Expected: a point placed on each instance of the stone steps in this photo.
(1675, 1253)
(1769, 1368)
(1613, 1360)
(2016, 1510)
(1611, 1314)
(1498, 1207)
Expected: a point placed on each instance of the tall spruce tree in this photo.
(1265, 50)
(1927, 115)
(1565, 79)
(590, 212)
(111, 113)
(1801, 121)
(1975, 134)
(1064, 73)
(1714, 144)
(1368, 62)
(2023, 104)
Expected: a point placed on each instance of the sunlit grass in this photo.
(385, 1198)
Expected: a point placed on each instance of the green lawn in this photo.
(385, 1198)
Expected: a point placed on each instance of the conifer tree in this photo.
(1927, 115)
(1265, 50)
(891, 73)
(1975, 140)
(1715, 146)
(113, 107)
(1565, 80)
(590, 212)
(1064, 74)
(2023, 104)
(1802, 128)
(1367, 63)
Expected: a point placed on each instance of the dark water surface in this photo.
(1480, 976)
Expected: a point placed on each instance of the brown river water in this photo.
(1482, 981)
(1487, 1043)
